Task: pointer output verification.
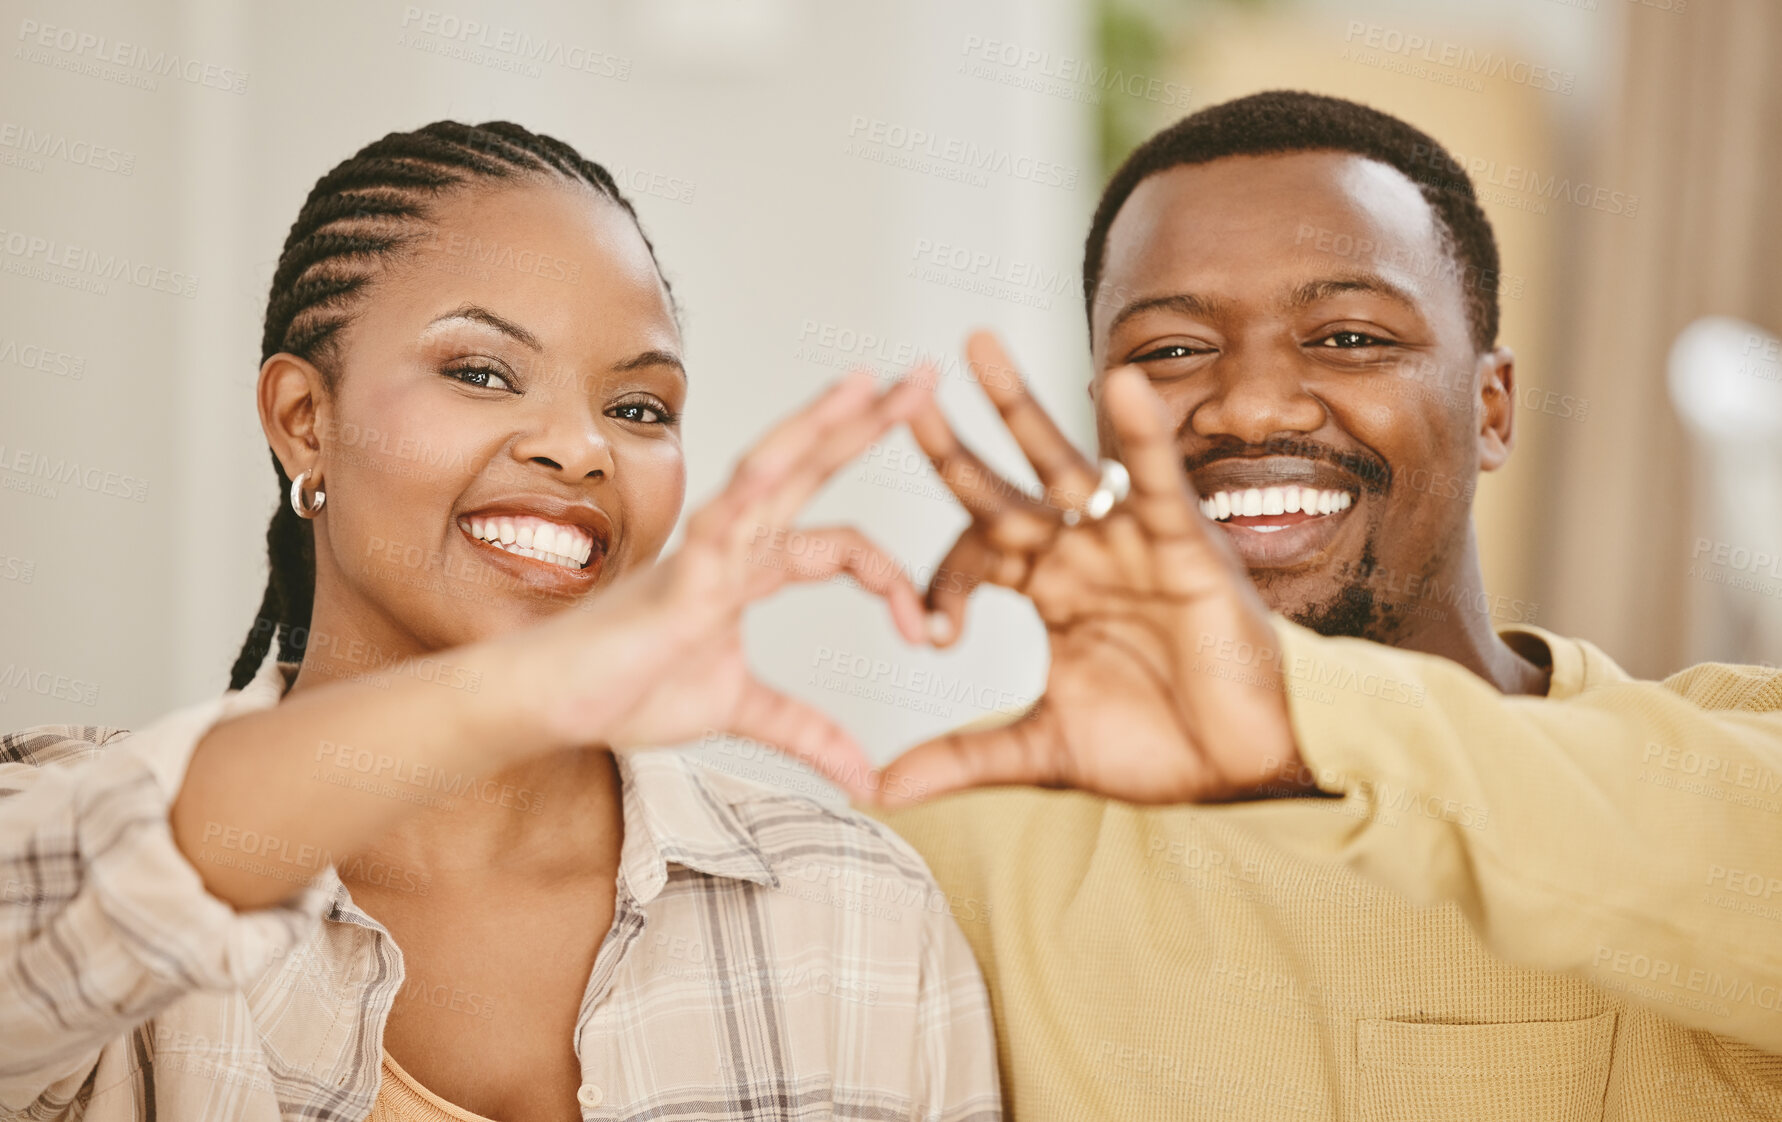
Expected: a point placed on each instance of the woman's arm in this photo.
(178, 859)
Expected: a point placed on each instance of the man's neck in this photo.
(1464, 632)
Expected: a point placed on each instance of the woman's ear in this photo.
(293, 396)
(1496, 379)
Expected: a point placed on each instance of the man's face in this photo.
(1307, 329)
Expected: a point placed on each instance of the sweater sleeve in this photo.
(103, 920)
(1630, 834)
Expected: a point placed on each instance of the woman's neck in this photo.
(549, 818)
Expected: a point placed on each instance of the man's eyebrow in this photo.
(1313, 291)
(1185, 302)
(479, 314)
(652, 358)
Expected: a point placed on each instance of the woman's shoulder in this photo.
(795, 826)
(43, 745)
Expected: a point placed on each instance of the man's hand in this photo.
(1164, 685)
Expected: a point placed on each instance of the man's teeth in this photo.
(560, 544)
(1220, 506)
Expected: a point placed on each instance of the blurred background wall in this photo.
(1624, 148)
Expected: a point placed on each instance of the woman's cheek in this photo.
(654, 494)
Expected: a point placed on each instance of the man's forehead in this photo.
(1241, 204)
(1314, 213)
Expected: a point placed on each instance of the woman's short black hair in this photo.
(1280, 121)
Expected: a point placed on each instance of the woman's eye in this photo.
(644, 412)
(483, 377)
(1343, 340)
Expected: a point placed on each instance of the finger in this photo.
(1066, 472)
(776, 453)
(1162, 498)
(983, 493)
(805, 733)
(965, 566)
(825, 552)
(846, 438)
(1028, 751)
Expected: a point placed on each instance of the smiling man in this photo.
(1511, 901)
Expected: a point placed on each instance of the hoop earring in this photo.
(303, 509)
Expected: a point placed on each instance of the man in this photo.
(1510, 900)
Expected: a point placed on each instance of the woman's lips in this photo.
(534, 573)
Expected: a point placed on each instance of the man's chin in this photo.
(1351, 610)
(1354, 612)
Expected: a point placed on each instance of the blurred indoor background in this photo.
(1627, 152)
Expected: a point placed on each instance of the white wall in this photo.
(141, 605)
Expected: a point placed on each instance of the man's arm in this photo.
(1631, 835)
(1171, 683)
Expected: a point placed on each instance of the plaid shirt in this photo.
(769, 957)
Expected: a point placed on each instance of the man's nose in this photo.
(1258, 393)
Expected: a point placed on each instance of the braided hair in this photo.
(358, 216)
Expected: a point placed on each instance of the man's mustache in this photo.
(1373, 472)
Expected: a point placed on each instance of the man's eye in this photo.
(1348, 339)
(644, 412)
(479, 375)
(1173, 350)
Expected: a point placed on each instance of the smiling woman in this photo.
(412, 865)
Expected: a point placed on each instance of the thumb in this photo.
(1028, 751)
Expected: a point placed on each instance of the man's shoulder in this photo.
(1725, 685)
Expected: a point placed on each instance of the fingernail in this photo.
(940, 627)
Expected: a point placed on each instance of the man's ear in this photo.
(1496, 379)
(294, 407)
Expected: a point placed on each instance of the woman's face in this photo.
(504, 433)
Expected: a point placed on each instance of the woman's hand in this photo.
(1144, 610)
(657, 657)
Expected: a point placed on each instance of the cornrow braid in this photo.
(359, 216)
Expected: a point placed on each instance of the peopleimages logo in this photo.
(89, 53)
(89, 264)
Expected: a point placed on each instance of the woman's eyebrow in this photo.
(479, 314)
(652, 358)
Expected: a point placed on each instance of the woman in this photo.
(407, 866)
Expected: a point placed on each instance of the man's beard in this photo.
(1357, 611)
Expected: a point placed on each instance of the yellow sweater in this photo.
(1521, 908)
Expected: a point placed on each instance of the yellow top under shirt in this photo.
(1521, 908)
(401, 1098)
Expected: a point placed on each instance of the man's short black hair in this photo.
(1280, 121)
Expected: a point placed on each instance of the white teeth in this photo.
(531, 536)
(1223, 505)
